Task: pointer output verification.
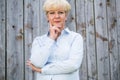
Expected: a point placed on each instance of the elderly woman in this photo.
(58, 54)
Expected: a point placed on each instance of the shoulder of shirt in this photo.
(40, 37)
(73, 33)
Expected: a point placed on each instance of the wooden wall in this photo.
(97, 20)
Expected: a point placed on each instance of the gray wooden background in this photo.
(97, 20)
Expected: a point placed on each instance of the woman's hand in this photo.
(34, 68)
(55, 31)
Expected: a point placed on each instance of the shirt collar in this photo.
(66, 30)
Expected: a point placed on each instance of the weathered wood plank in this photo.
(112, 31)
(90, 41)
(43, 19)
(31, 30)
(101, 40)
(2, 39)
(118, 33)
(70, 23)
(81, 28)
(15, 58)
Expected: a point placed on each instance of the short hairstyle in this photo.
(56, 4)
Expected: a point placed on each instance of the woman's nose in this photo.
(57, 15)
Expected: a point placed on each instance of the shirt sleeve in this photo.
(70, 65)
(40, 51)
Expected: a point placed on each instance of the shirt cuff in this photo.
(44, 69)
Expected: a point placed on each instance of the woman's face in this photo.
(57, 18)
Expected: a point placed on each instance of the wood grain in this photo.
(15, 56)
(117, 6)
(101, 33)
(31, 30)
(2, 40)
(81, 28)
(90, 40)
(112, 34)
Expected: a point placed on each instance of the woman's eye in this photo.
(61, 12)
(51, 12)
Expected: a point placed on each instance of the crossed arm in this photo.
(34, 68)
(72, 64)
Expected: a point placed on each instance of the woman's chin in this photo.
(58, 24)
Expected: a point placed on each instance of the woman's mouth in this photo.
(57, 21)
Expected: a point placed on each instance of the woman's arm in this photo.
(41, 51)
(34, 68)
(70, 65)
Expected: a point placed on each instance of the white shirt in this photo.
(60, 59)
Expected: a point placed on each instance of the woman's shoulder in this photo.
(40, 37)
(76, 34)
(73, 34)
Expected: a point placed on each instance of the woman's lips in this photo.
(57, 21)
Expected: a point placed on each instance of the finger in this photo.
(57, 29)
(28, 63)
